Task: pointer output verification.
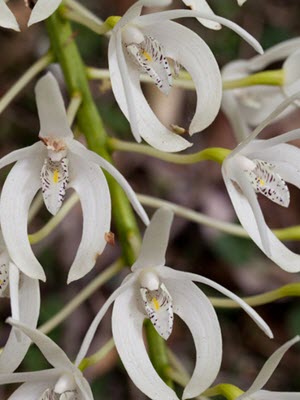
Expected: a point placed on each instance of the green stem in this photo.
(227, 390)
(90, 123)
(98, 356)
(272, 78)
(217, 154)
(158, 352)
(290, 290)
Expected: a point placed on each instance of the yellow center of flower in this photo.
(55, 176)
(1, 281)
(156, 303)
(262, 182)
(147, 55)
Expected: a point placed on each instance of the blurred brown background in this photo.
(235, 263)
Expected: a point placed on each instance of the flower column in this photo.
(90, 124)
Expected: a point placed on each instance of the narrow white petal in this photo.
(241, 2)
(14, 279)
(96, 321)
(274, 54)
(83, 388)
(231, 107)
(125, 80)
(31, 391)
(156, 18)
(195, 309)
(267, 395)
(167, 273)
(155, 241)
(82, 151)
(127, 327)
(20, 154)
(7, 18)
(136, 9)
(52, 352)
(37, 376)
(278, 252)
(238, 185)
(89, 182)
(291, 74)
(51, 107)
(189, 50)
(202, 5)
(15, 350)
(268, 368)
(42, 10)
(18, 192)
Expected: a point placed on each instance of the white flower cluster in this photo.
(154, 45)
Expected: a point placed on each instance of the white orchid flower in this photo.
(54, 164)
(144, 43)
(255, 392)
(157, 292)
(264, 167)
(41, 9)
(62, 382)
(24, 294)
(202, 5)
(247, 107)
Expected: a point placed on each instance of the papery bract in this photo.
(157, 292)
(145, 43)
(54, 164)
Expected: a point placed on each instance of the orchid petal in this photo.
(37, 376)
(50, 105)
(28, 152)
(268, 368)
(31, 390)
(127, 327)
(279, 253)
(291, 74)
(241, 2)
(158, 305)
(42, 10)
(82, 151)
(90, 184)
(237, 176)
(7, 18)
(128, 93)
(169, 273)
(267, 395)
(96, 321)
(202, 5)
(52, 352)
(83, 388)
(18, 192)
(54, 181)
(15, 350)
(14, 279)
(195, 309)
(4, 274)
(274, 54)
(136, 9)
(155, 241)
(189, 50)
(162, 16)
